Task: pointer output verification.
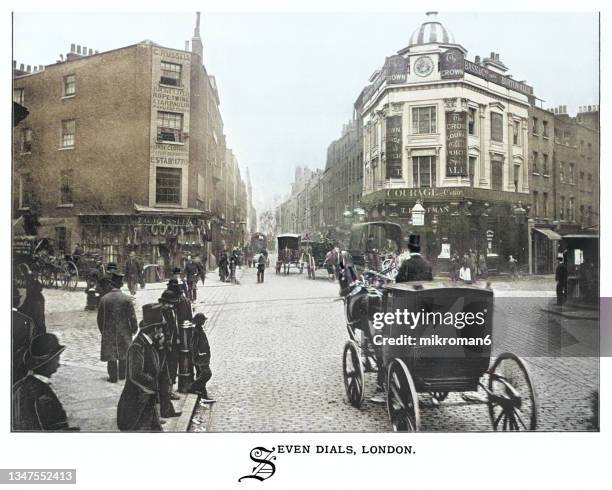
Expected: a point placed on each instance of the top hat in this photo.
(169, 296)
(116, 277)
(414, 242)
(152, 315)
(43, 348)
(199, 318)
(176, 270)
(111, 266)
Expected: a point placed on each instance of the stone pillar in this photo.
(484, 146)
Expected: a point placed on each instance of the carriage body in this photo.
(289, 252)
(369, 241)
(452, 336)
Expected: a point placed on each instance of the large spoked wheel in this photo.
(511, 396)
(22, 272)
(402, 398)
(48, 277)
(352, 370)
(70, 276)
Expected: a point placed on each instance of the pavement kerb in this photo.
(184, 420)
(574, 315)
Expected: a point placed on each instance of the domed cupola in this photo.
(431, 32)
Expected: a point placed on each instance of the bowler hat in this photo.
(414, 242)
(169, 296)
(111, 266)
(43, 348)
(176, 270)
(199, 318)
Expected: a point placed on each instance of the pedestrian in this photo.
(139, 404)
(201, 264)
(513, 266)
(192, 271)
(169, 361)
(482, 266)
(200, 358)
(415, 268)
(117, 324)
(133, 273)
(34, 305)
(561, 278)
(105, 284)
(330, 264)
(261, 268)
(35, 404)
(22, 333)
(223, 266)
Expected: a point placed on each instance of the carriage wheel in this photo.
(47, 277)
(439, 396)
(21, 275)
(511, 397)
(70, 276)
(352, 369)
(402, 398)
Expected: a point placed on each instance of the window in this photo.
(472, 121)
(168, 186)
(562, 172)
(472, 166)
(517, 172)
(581, 179)
(18, 95)
(66, 183)
(534, 157)
(25, 190)
(69, 85)
(497, 173)
(26, 140)
(590, 216)
(424, 171)
(590, 147)
(534, 128)
(571, 173)
(170, 74)
(169, 126)
(61, 239)
(424, 120)
(516, 127)
(68, 133)
(581, 146)
(497, 127)
(582, 213)
(545, 129)
(535, 203)
(562, 208)
(545, 204)
(544, 164)
(571, 209)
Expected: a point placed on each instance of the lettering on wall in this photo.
(456, 144)
(394, 147)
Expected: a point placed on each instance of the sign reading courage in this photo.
(456, 144)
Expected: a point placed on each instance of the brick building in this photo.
(123, 150)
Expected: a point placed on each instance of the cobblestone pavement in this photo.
(277, 361)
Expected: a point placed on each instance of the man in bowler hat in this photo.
(117, 324)
(200, 356)
(35, 404)
(415, 268)
(138, 408)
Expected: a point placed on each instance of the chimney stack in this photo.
(21, 67)
(477, 60)
(90, 51)
(186, 45)
(78, 49)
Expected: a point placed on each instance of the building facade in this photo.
(123, 151)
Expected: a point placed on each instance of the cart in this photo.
(289, 253)
(441, 357)
(314, 255)
(372, 244)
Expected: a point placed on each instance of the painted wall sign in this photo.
(426, 192)
(456, 144)
(491, 76)
(396, 69)
(393, 147)
(451, 64)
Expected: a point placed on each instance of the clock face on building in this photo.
(423, 66)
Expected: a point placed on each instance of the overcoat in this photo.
(137, 405)
(117, 324)
(416, 268)
(36, 407)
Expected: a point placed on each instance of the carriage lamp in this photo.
(418, 214)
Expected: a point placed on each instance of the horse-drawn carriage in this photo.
(374, 245)
(289, 253)
(441, 345)
(36, 258)
(313, 255)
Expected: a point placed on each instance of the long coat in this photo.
(137, 406)
(36, 407)
(34, 307)
(23, 331)
(117, 324)
(416, 268)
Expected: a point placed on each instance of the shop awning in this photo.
(550, 234)
(595, 237)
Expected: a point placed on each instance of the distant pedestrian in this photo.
(513, 267)
(117, 324)
(483, 269)
(139, 405)
(200, 357)
(36, 407)
(133, 273)
(561, 278)
(192, 271)
(261, 268)
(34, 305)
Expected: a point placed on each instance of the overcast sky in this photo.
(287, 82)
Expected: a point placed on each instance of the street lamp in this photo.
(418, 214)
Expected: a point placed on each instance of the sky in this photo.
(287, 81)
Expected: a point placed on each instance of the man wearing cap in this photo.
(23, 330)
(133, 272)
(35, 404)
(415, 268)
(200, 356)
(117, 324)
(138, 408)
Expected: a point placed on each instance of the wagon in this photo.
(289, 253)
(314, 254)
(370, 243)
(447, 349)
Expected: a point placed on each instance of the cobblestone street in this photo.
(277, 359)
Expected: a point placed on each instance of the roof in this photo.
(550, 234)
(289, 235)
(431, 31)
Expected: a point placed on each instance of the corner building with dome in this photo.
(452, 135)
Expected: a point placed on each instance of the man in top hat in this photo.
(105, 284)
(200, 356)
(35, 404)
(117, 324)
(561, 278)
(133, 272)
(33, 305)
(415, 268)
(23, 331)
(138, 408)
(169, 369)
